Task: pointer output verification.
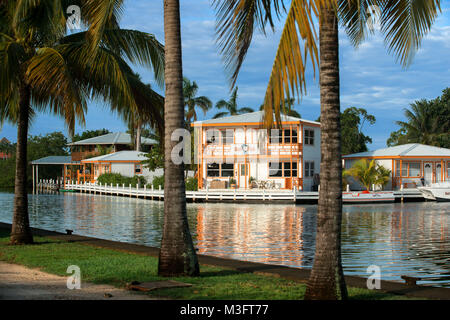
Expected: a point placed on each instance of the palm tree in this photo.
(149, 111)
(287, 109)
(231, 106)
(404, 22)
(191, 100)
(44, 69)
(422, 125)
(177, 255)
(368, 173)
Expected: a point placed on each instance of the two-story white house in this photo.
(238, 150)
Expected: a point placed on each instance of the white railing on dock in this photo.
(207, 194)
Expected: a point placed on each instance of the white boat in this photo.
(436, 191)
(368, 197)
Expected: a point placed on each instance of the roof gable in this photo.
(121, 156)
(112, 138)
(252, 117)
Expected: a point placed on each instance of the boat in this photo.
(368, 197)
(437, 191)
(65, 190)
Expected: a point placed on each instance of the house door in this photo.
(243, 175)
(428, 173)
(438, 172)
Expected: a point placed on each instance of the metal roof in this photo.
(54, 160)
(250, 117)
(406, 150)
(119, 156)
(112, 138)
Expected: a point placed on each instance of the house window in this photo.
(213, 170)
(220, 170)
(276, 136)
(227, 170)
(309, 137)
(448, 169)
(282, 169)
(294, 136)
(288, 136)
(138, 169)
(309, 168)
(275, 169)
(414, 169)
(227, 136)
(407, 169)
(404, 169)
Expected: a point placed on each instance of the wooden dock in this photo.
(211, 195)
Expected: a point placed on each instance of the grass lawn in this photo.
(105, 266)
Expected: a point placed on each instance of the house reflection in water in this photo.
(278, 234)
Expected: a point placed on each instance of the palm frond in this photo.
(12, 55)
(287, 78)
(405, 23)
(101, 15)
(236, 21)
(51, 79)
(138, 47)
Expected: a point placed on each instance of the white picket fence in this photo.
(206, 195)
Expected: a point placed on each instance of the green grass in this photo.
(105, 266)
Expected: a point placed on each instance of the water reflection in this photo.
(410, 238)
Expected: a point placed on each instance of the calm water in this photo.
(411, 238)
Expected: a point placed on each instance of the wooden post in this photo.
(34, 181)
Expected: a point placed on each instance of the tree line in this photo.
(427, 122)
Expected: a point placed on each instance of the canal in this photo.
(402, 239)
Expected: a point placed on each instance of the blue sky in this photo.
(370, 77)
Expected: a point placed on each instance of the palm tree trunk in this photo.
(177, 255)
(138, 137)
(20, 232)
(327, 281)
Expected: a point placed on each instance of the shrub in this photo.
(158, 181)
(117, 178)
(191, 184)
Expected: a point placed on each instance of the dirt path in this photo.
(21, 283)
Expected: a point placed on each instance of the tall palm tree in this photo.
(44, 69)
(287, 109)
(422, 124)
(404, 23)
(149, 111)
(191, 100)
(177, 255)
(231, 106)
